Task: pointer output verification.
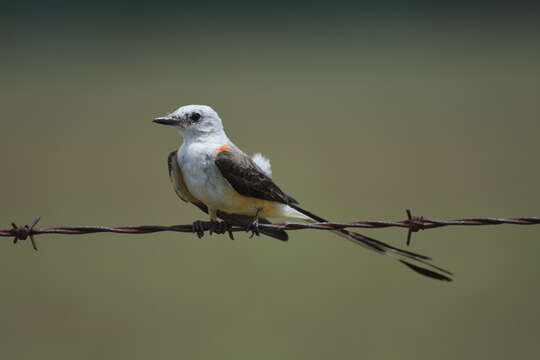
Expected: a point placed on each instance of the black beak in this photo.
(166, 120)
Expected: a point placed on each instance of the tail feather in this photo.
(426, 272)
(372, 243)
(403, 256)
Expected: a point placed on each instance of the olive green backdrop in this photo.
(364, 112)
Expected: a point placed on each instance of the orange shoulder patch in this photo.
(223, 148)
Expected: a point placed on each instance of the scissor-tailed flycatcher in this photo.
(216, 176)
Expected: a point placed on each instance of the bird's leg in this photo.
(254, 225)
(214, 224)
(198, 228)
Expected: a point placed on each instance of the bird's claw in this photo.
(222, 228)
(198, 228)
(227, 228)
(215, 227)
(254, 230)
(254, 226)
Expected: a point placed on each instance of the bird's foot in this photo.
(254, 225)
(198, 228)
(214, 227)
(222, 228)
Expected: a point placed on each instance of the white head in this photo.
(193, 121)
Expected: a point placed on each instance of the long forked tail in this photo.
(413, 261)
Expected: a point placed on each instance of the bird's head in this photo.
(193, 121)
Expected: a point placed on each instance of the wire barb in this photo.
(416, 223)
(24, 232)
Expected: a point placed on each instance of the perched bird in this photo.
(212, 173)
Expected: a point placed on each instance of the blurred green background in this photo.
(365, 110)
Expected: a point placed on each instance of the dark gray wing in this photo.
(248, 179)
(177, 180)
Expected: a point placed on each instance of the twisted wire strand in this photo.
(413, 224)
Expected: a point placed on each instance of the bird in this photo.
(212, 173)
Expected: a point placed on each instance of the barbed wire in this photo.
(412, 223)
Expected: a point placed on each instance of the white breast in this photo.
(203, 178)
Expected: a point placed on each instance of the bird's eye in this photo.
(195, 116)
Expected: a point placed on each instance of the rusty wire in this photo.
(413, 224)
